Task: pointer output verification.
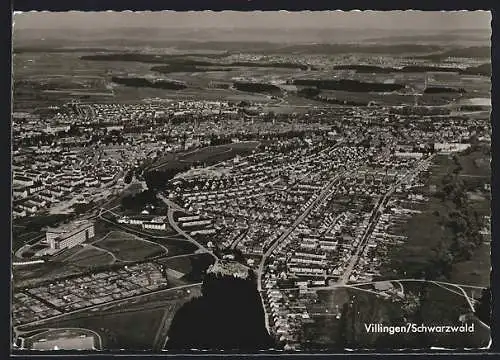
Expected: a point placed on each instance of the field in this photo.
(91, 256)
(91, 81)
(193, 267)
(325, 329)
(176, 246)
(475, 167)
(127, 247)
(132, 325)
(175, 243)
(209, 155)
(437, 306)
(425, 231)
(475, 271)
(65, 339)
(67, 253)
(28, 228)
(29, 274)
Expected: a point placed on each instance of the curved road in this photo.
(170, 215)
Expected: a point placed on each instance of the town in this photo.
(180, 187)
(307, 209)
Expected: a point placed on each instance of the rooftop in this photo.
(73, 226)
(229, 268)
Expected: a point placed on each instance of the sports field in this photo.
(136, 324)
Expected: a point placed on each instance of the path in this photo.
(91, 246)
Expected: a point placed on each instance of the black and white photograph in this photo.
(309, 181)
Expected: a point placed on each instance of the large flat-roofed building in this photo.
(70, 235)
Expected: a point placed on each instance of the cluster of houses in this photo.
(86, 291)
(146, 221)
(45, 179)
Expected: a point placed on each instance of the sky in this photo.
(383, 20)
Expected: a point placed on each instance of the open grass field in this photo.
(132, 330)
(193, 267)
(127, 247)
(475, 271)
(437, 306)
(176, 246)
(425, 231)
(209, 155)
(26, 275)
(68, 253)
(90, 256)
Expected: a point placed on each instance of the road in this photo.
(238, 240)
(97, 306)
(19, 252)
(28, 243)
(170, 215)
(321, 197)
(376, 212)
(136, 237)
(91, 246)
(445, 285)
(161, 334)
(260, 271)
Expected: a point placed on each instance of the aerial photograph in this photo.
(251, 181)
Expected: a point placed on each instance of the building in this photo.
(22, 181)
(68, 236)
(409, 155)
(155, 224)
(447, 148)
(57, 128)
